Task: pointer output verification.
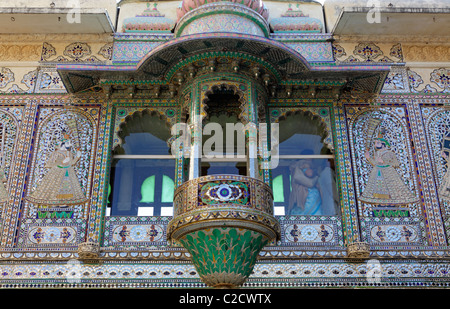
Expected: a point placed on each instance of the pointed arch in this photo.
(316, 125)
(149, 121)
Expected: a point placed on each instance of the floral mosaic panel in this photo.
(415, 80)
(56, 228)
(224, 192)
(137, 231)
(49, 81)
(58, 235)
(311, 231)
(142, 233)
(76, 52)
(106, 51)
(368, 52)
(441, 77)
(396, 81)
(32, 80)
(426, 80)
(389, 234)
(6, 77)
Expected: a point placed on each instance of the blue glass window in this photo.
(304, 182)
(143, 169)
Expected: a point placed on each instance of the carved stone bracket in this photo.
(88, 250)
(358, 250)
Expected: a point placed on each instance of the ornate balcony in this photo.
(223, 221)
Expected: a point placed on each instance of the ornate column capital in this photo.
(358, 250)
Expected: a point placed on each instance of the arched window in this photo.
(143, 169)
(304, 182)
(223, 135)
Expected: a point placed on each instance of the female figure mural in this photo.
(305, 196)
(385, 186)
(60, 186)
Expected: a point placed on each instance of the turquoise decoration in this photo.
(216, 192)
(224, 257)
(223, 221)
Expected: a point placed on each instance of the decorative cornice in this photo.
(391, 39)
(426, 52)
(172, 254)
(145, 37)
(20, 52)
(51, 37)
(301, 37)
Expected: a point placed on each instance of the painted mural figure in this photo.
(60, 186)
(385, 186)
(305, 196)
(444, 188)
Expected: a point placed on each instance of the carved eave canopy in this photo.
(276, 66)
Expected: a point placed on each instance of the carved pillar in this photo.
(252, 149)
(195, 127)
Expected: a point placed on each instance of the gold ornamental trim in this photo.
(271, 231)
(247, 203)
